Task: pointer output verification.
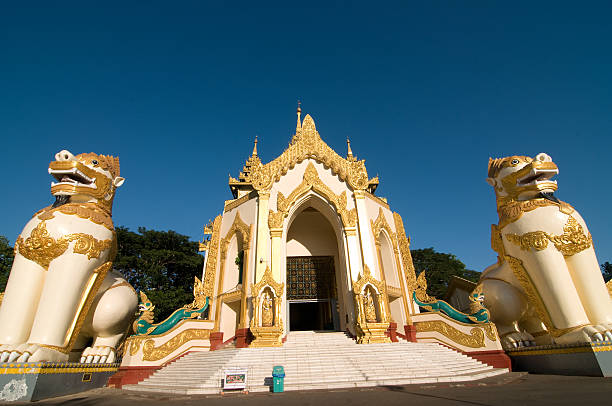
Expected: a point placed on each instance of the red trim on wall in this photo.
(392, 332)
(133, 375)
(216, 340)
(495, 358)
(243, 337)
(410, 332)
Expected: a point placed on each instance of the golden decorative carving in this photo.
(42, 248)
(572, 241)
(101, 185)
(306, 144)
(267, 311)
(237, 202)
(476, 338)
(497, 244)
(490, 331)
(609, 286)
(229, 297)
(421, 290)
(88, 211)
(537, 240)
(211, 262)
(312, 181)
(381, 224)
(393, 291)
(371, 301)
(275, 219)
(267, 333)
(370, 309)
(152, 353)
(514, 209)
(404, 248)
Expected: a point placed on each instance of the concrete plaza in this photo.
(510, 389)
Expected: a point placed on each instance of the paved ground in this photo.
(511, 389)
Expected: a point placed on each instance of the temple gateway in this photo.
(307, 245)
(306, 262)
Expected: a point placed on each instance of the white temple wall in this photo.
(230, 313)
(230, 273)
(397, 311)
(390, 269)
(310, 234)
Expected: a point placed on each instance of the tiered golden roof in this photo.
(305, 144)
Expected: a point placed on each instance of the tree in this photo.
(440, 268)
(6, 261)
(162, 264)
(606, 270)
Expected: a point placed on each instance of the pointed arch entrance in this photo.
(315, 270)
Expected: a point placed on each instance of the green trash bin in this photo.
(278, 379)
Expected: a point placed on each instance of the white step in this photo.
(315, 360)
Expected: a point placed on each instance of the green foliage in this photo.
(440, 268)
(240, 262)
(6, 261)
(606, 270)
(161, 263)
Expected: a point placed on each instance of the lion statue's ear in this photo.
(491, 181)
(118, 181)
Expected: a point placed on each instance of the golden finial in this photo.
(298, 127)
(350, 152)
(255, 147)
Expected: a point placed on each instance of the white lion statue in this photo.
(62, 301)
(547, 287)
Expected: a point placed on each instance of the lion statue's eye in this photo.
(94, 162)
(514, 161)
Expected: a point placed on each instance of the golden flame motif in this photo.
(572, 241)
(42, 248)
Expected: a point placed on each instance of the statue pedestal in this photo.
(370, 333)
(267, 337)
(593, 359)
(36, 381)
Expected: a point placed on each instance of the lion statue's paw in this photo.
(586, 334)
(102, 354)
(605, 330)
(37, 353)
(6, 350)
(517, 340)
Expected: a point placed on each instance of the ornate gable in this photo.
(306, 143)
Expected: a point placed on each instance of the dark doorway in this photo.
(310, 316)
(312, 294)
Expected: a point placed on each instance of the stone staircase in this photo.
(319, 360)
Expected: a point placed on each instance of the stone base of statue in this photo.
(593, 359)
(370, 333)
(37, 381)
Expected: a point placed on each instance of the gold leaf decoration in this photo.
(152, 353)
(572, 241)
(42, 248)
(476, 338)
(306, 144)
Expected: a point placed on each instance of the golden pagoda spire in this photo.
(349, 155)
(255, 147)
(298, 127)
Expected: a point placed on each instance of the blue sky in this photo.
(426, 91)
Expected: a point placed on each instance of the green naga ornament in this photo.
(144, 325)
(478, 313)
